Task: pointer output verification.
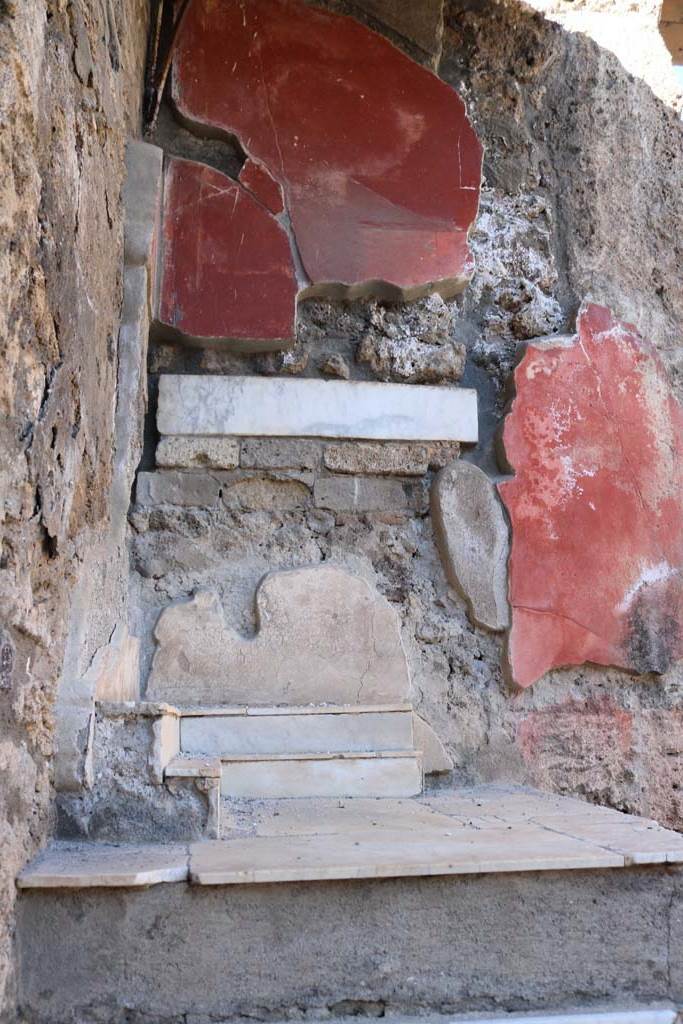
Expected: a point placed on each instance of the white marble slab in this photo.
(296, 734)
(89, 865)
(655, 1015)
(317, 775)
(391, 854)
(273, 407)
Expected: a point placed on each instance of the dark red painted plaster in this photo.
(262, 185)
(379, 164)
(227, 268)
(594, 437)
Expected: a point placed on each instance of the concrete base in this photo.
(491, 943)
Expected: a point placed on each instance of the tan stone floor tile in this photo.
(317, 817)
(639, 840)
(86, 865)
(387, 854)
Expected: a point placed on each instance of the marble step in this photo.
(306, 730)
(349, 774)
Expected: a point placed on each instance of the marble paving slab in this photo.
(449, 833)
(86, 865)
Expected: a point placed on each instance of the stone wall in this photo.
(573, 175)
(70, 90)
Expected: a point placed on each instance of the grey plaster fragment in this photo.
(472, 535)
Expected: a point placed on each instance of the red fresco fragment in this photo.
(379, 163)
(594, 437)
(227, 267)
(262, 185)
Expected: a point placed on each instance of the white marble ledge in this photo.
(652, 1015)
(105, 865)
(273, 407)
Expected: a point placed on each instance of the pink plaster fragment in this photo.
(262, 185)
(227, 268)
(378, 161)
(596, 504)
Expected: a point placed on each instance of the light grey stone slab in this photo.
(387, 854)
(142, 193)
(638, 840)
(650, 1016)
(272, 406)
(296, 734)
(324, 636)
(369, 494)
(174, 487)
(87, 865)
(435, 757)
(195, 452)
(472, 535)
(353, 775)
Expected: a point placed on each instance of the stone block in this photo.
(324, 636)
(177, 488)
(279, 453)
(359, 775)
(298, 733)
(195, 452)
(381, 459)
(142, 192)
(369, 494)
(472, 536)
(272, 492)
(594, 436)
(273, 407)
(435, 757)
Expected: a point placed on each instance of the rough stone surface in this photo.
(279, 453)
(413, 345)
(323, 636)
(362, 220)
(196, 452)
(128, 799)
(383, 459)
(472, 533)
(227, 271)
(70, 84)
(596, 504)
(428, 944)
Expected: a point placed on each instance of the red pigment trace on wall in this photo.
(379, 164)
(227, 270)
(596, 505)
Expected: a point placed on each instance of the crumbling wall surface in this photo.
(630, 30)
(70, 85)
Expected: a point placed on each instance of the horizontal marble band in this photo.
(272, 407)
